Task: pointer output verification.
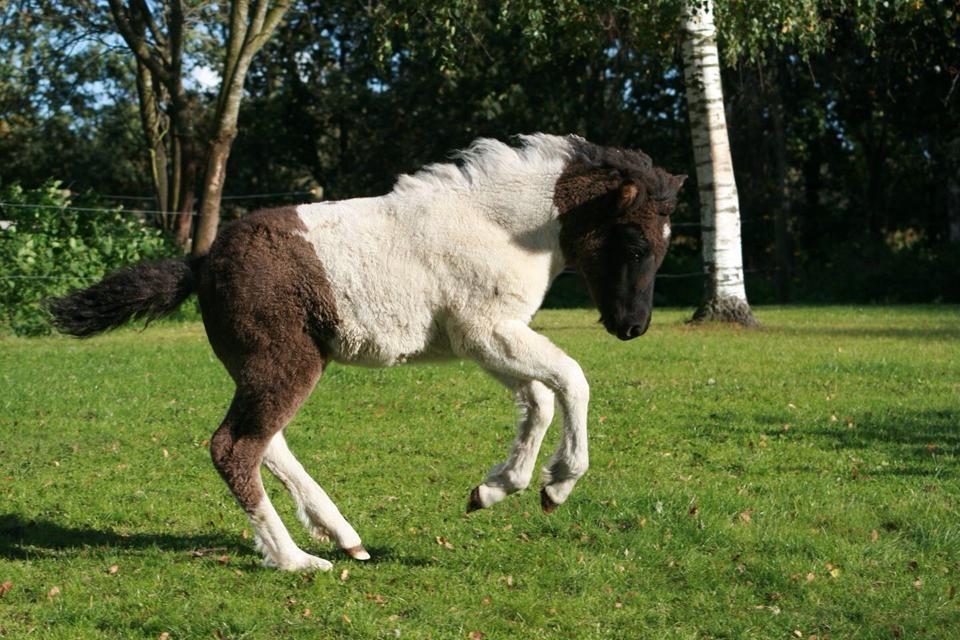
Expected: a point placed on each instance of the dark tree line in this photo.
(847, 154)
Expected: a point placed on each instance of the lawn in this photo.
(796, 481)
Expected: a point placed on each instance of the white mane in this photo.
(487, 161)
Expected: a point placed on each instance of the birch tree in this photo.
(725, 294)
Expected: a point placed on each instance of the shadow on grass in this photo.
(928, 439)
(923, 433)
(387, 555)
(20, 539)
(940, 333)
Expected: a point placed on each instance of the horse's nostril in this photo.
(636, 330)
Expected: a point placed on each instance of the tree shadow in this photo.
(926, 433)
(923, 439)
(940, 333)
(21, 539)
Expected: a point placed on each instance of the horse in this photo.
(452, 263)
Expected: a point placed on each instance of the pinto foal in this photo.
(453, 262)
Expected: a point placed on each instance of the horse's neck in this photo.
(521, 204)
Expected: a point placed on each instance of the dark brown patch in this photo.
(613, 205)
(603, 187)
(546, 502)
(474, 503)
(269, 314)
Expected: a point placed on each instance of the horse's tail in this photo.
(148, 290)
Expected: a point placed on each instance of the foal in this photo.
(452, 263)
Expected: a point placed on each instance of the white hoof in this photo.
(302, 562)
(358, 553)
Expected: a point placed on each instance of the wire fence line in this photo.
(17, 205)
(667, 276)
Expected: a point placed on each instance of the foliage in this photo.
(800, 481)
(865, 143)
(49, 248)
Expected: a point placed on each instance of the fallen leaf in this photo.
(6, 586)
(475, 635)
(745, 515)
(347, 619)
(224, 559)
(797, 633)
(344, 575)
(245, 534)
(393, 617)
(874, 535)
(164, 636)
(693, 511)
(811, 577)
(509, 580)
(307, 613)
(443, 542)
(917, 583)
(376, 597)
(113, 569)
(166, 454)
(54, 592)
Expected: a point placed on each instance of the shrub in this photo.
(48, 247)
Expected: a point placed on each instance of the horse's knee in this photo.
(572, 383)
(238, 462)
(538, 401)
(221, 444)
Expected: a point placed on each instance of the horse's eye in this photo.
(635, 253)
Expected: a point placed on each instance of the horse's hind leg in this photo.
(264, 403)
(314, 507)
(536, 404)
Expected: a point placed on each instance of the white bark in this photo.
(719, 202)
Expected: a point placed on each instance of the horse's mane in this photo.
(488, 160)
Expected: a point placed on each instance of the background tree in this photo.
(159, 62)
(726, 295)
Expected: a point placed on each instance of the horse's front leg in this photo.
(536, 404)
(512, 348)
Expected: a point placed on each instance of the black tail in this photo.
(147, 290)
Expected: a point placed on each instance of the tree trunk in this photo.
(725, 295)
(214, 178)
(152, 121)
(248, 32)
(188, 196)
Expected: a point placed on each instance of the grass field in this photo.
(793, 482)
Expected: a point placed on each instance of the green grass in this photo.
(800, 479)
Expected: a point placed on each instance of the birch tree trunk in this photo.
(725, 296)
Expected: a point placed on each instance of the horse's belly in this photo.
(387, 344)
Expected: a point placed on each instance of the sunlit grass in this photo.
(800, 479)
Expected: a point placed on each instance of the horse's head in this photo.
(615, 228)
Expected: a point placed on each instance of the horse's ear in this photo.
(630, 192)
(677, 181)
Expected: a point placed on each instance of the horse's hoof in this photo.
(546, 502)
(357, 552)
(473, 504)
(301, 562)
